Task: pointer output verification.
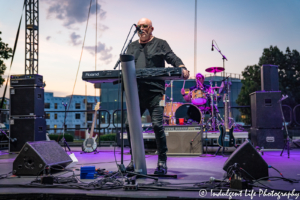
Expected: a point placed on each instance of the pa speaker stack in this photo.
(265, 111)
(27, 121)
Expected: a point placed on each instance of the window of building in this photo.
(90, 117)
(77, 105)
(77, 127)
(48, 116)
(89, 106)
(55, 116)
(55, 106)
(55, 126)
(47, 105)
(77, 116)
(48, 127)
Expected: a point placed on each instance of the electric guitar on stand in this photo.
(226, 138)
(90, 144)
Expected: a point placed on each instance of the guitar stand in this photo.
(223, 150)
(95, 152)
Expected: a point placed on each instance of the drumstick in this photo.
(183, 84)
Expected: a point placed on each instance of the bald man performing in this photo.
(152, 52)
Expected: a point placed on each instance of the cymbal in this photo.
(215, 87)
(214, 69)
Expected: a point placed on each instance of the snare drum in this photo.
(198, 97)
(190, 113)
(170, 109)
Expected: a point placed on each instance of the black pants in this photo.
(151, 101)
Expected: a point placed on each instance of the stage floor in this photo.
(189, 169)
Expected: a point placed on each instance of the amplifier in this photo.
(32, 80)
(26, 101)
(184, 143)
(24, 130)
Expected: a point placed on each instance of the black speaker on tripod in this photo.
(250, 160)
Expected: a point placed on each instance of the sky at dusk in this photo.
(241, 28)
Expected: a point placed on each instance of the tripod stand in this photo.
(63, 138)
(287, 140)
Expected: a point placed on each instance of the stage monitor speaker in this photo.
(269, 78)
(36, 156)
(265, 111)
(249, 159)
(26, 101)
(180, 143)
(23, 130)
(267, 138)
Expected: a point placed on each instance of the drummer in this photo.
(199, 85)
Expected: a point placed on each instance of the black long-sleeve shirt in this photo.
(153, 55)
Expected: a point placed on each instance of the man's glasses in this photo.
(143, 25)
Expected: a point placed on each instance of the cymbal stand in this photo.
(214, 109)
(172, 117)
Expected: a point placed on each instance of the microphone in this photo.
(283, 98)
(212, 45)
(138, 29)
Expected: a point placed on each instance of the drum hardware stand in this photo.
(287, 140)
(63, 138)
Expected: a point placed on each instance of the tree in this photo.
(289, 78)
(5, 53)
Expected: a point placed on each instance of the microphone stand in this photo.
(122, 167)
(63, 138)
(223, 57)
(287, 140)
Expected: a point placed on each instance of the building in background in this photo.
(76, 118)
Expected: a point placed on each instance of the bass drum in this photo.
(190, 113)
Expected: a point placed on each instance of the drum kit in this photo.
(203, 109)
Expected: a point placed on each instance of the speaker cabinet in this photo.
(269, 78)
(180, 143)
(26, 101)
(267, 138)
(265, 111)
(249, 159)
(35, 156)
(24, 130)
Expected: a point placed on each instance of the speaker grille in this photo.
(34, 156)
(179, 143)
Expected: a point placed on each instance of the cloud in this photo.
(48, 38)
(102, 50)
(72, 12)
(74, 39)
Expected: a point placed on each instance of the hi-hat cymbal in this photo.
(214, 69)
(215, 87)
